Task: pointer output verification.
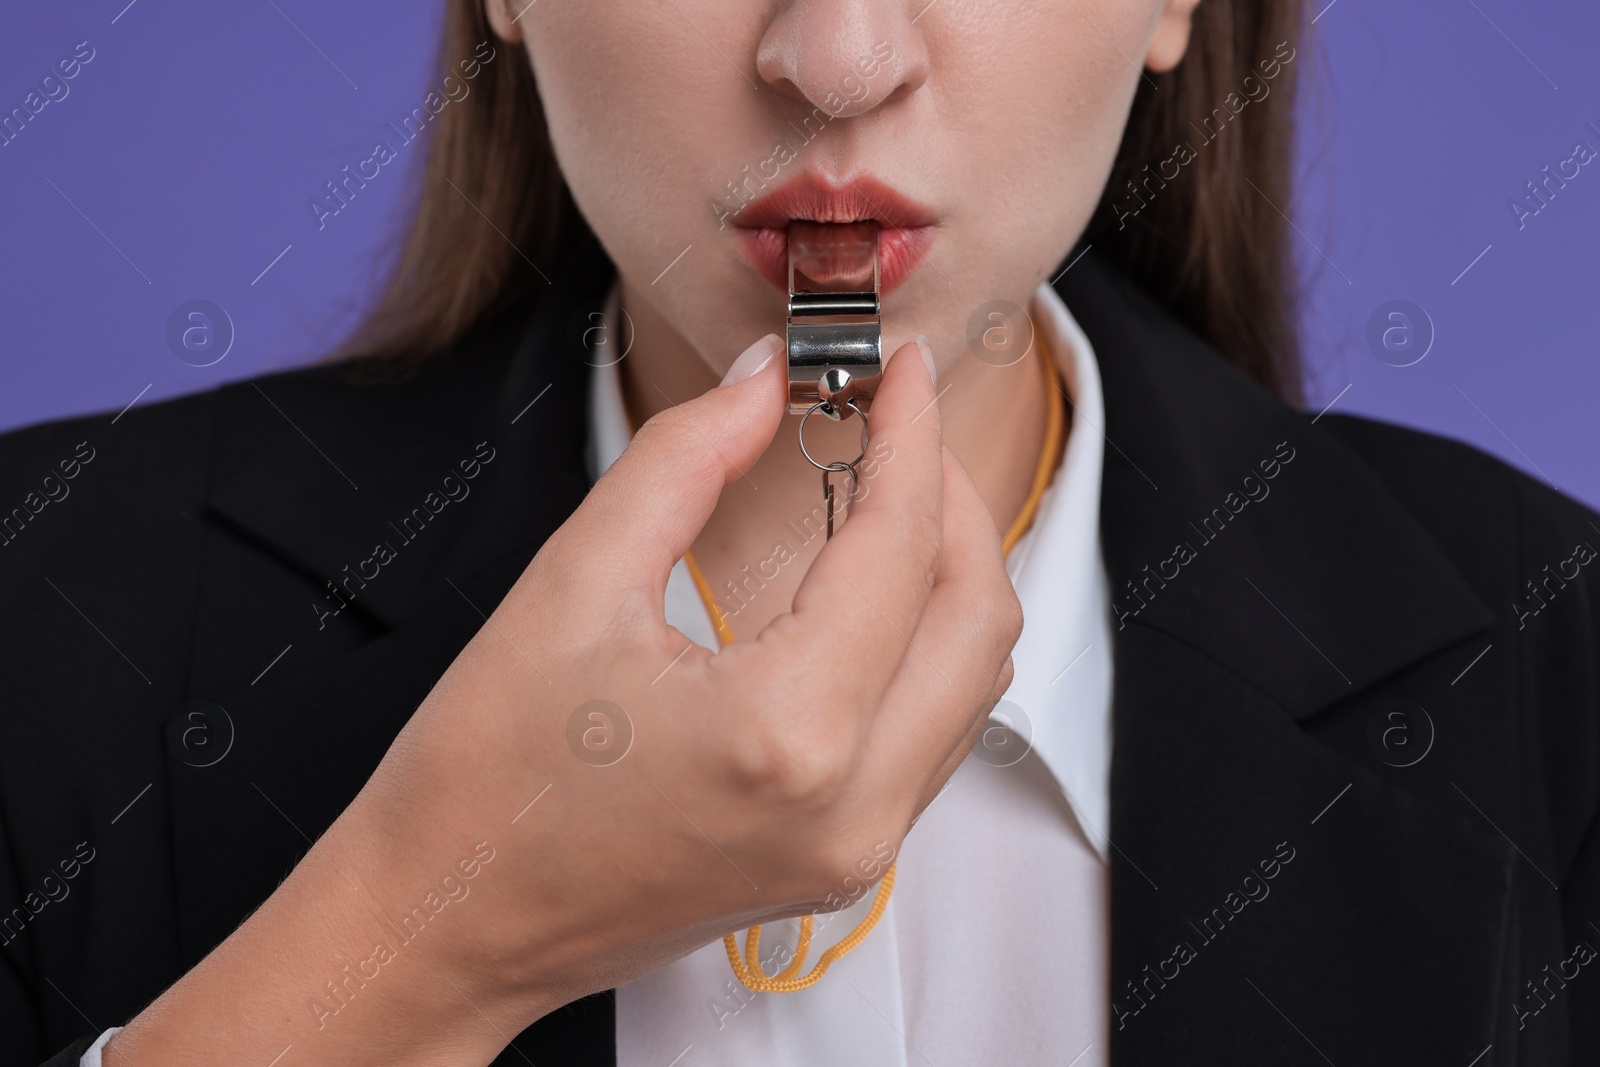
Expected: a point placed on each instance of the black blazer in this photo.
(1356, 711)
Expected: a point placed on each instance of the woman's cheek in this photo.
(642, 152)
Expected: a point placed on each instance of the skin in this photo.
(1023, 101)
(1002, 117)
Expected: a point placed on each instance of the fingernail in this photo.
(753, 360)
(927, 359)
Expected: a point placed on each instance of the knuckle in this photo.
(1002, 681)
(846, 870)
(793, 768)
(1000, 612)
(921, 533)
(995, 618)
(658, 429)
(1009, 616)
(932, 564)
(925, 531)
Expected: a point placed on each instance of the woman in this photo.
(358, 719)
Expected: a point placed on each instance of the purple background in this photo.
(195, 138)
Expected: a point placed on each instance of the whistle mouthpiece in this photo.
(834, 331)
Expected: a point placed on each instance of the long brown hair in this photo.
(491, 210)
(1212, 243)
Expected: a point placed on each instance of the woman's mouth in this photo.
(905, 228)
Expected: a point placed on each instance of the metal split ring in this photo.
(824, 406)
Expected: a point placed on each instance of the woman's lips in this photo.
(899, 252)
(905, 228)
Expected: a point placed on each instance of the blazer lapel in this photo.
(452, 464)
(1275, 898)
(312, 470)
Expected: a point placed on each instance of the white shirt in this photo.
(995, 945)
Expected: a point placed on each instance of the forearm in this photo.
(332, 966)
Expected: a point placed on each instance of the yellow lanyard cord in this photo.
(747, 966)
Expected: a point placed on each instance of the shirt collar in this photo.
(1059, 700)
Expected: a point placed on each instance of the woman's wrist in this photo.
(348, 962)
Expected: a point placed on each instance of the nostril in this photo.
(787, 88)
(901, 91)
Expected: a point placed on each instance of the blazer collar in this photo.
(1242, 528)
(327, 476)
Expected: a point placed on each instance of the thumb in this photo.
(652, 503)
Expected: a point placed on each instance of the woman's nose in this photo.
(844, 56)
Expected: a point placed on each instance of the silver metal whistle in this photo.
(834, 329)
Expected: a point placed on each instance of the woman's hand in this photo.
(754, 782)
